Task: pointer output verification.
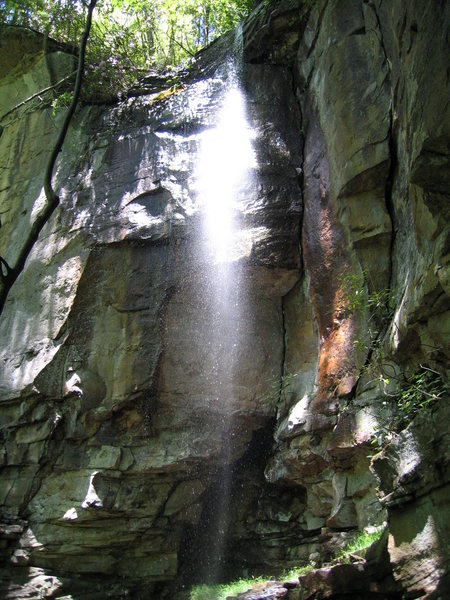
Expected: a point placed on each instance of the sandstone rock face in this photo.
(145, 334)
(187, 386)
(414, 484)
(375, 218)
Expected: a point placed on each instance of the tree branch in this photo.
(183, 47)
(50, 194)
(47, 89)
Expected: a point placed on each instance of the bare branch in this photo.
(37, 94)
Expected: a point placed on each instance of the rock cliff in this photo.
(229, 346)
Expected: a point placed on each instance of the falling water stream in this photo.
(225, 164)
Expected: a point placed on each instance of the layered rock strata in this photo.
(145, 335)
(376, 164)
(186, 387)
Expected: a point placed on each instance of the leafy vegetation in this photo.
(62, 101)
(297, 572)
(225, 590)
(375, 304)
(128, 37)
(221, 591)
(376, 308)
(358, 545)
(415, 392)
(423, 389)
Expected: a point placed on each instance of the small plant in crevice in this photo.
(420, 392)
(61, 102)
(277, 390)
(408, 395)
(381, 436)
(358, 545)
(370, 312)
(376, 304)
(416, 394)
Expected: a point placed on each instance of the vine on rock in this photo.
(410, 393)
(8, 273)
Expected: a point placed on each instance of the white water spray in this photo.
(225, 166)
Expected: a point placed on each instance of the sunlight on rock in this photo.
(70, 515)
(299, 412)
(29, 540)
(91, 499)
(38, 206)
(398, 320)
(415, 557)
(410, 460)
(428, 537)
(226, 353)
(365, 425)
(72, 385)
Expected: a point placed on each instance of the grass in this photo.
(297, 572)
(360, 543)
(220, 591)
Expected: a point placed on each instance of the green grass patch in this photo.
(220, 591)
(296, 572)
(360, 543)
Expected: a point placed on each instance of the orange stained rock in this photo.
(336, 363)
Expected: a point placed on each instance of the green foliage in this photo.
(423, 389)
(297, 572)
(358, 545)
(418, 393)
(128, 37)
(374, 307)
(355, 294)
(62, 101)
(221, 591)
(381, 436)
(62, 19)
(375, 303)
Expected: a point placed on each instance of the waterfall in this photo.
(225, 163)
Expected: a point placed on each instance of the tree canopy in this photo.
(128, 37)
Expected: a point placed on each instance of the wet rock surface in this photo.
(138, 357)
(154, 370)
